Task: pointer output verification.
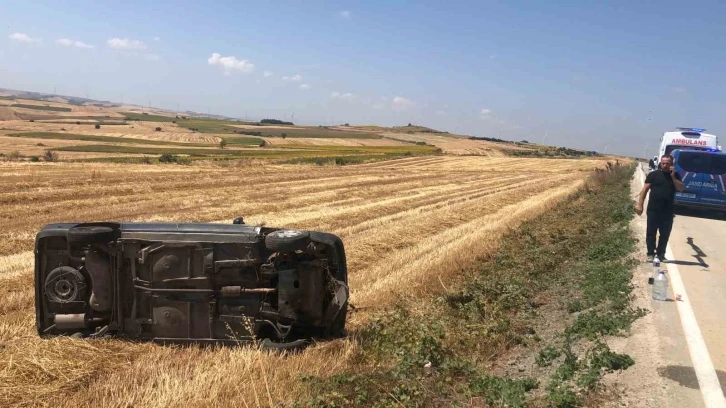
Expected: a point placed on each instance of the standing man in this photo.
(662, 184)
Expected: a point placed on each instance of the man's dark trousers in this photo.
(662, 222)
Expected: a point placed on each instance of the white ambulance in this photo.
(687, 139)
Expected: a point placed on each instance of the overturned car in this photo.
(187, 282)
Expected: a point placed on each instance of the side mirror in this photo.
(238, 220)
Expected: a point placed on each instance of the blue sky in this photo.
(610, 76)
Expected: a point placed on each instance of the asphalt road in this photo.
(698, 244)
(689, 352)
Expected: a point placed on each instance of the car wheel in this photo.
(337, 328)
(299, 344)
(287, 240)
(94, 233)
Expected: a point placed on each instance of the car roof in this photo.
(698, 151)
(680, 133)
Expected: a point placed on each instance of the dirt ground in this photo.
(6, 114)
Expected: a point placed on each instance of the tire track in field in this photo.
(444, 253)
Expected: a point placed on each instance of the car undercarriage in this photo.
(190, 282)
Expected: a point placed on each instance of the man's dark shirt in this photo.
(662, 191)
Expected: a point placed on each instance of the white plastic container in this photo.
(656, 269)
(660, 286)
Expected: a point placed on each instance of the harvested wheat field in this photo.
(409, 225)
(134, 130)
(457, 145)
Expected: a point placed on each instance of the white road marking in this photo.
(705, 372)
(702, 364)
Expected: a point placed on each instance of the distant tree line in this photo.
(490, 139)
(248, 132)
(275, 122)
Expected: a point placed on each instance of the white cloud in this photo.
(72, 43)
(267, 74)
(345, 14)
(343, 96)
(485, 113)
(152, 57)
(231, 63)
(157, 39)
(401, 103)
(126, 44)
(441, 112)
(294, 78)
(305, 86)
(22, 37)
(493, 56)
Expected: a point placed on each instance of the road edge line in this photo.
(703, 366)
(708, 382)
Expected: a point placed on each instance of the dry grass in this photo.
(134, 130)
(458, 145)
(409, 225)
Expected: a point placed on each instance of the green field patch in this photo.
(209, 125)
(316, 133)
(38, 107)
(242, 140)
(93, 138)
(149, 118)
(283, 156)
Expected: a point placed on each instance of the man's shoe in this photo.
(650, 259)
(663, 258)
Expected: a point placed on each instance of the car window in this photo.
(670, 148)
(718, 164)
(694, 162)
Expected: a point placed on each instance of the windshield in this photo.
(671, 148)
(695, 162)
(718, 164)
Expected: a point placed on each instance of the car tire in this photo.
(296, 345)
(287, 240)
(337, 328)
(94, 233)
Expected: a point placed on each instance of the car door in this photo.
(691, 166)
(712, 188)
